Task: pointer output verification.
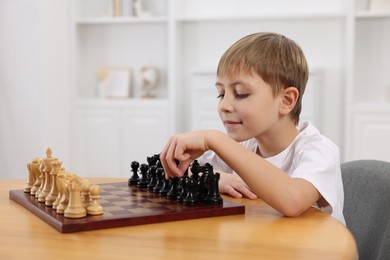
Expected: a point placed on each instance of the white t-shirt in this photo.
(310, 156)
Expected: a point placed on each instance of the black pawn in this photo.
(134, 178)
(172, 193)
(143, 182)
(190, 198)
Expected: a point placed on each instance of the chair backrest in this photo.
(367, 206)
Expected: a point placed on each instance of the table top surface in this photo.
(261, 232)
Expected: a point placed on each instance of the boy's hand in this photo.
(184, 148)
(234, 186)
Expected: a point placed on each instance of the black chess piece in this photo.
(165, 188)
(153, 177)
(143, 182)
(202, 184)
(134, 178)
(156, 158)
(152, 160)
(159, 164)
(182, 188)
(190, 198)
(195, 170)
(213, 196)
(160, 180)
(173, 192)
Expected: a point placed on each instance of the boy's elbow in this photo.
(294, 206)
(292, 212)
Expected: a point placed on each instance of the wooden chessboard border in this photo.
(67, 225)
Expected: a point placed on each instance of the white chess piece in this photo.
(75, 208)
(94, 207)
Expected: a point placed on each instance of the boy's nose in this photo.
(225, 105)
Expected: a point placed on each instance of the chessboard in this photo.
(125, 205)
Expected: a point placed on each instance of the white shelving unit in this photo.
(342, 40)
(108, 134)
(367, 99)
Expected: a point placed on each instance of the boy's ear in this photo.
(289, 99)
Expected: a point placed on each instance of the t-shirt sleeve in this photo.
(318, 163)
(213, 159)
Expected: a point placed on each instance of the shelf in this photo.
(265, 16)
(121, 20)
(370, 106)
(372, 14)
(120, 103)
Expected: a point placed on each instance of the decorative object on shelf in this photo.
(127, 8)
(138, 9)
(379, 5)
(114, 83)
(116, 8)
(121, 8)
(149, 77)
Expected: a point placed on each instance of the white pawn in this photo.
(94, 207)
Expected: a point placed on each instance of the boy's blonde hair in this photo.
(278, 60)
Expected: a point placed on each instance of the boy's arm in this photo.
(290, 196)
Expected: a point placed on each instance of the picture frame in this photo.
(115, 82)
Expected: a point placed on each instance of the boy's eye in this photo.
(220, 96)
(241, 96)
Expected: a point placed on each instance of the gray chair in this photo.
(367, 206)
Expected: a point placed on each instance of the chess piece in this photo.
(195, 170)
(153, 177)
(134, 178)
(94, 207)
(85, 194)
(203, 182)
(213, 196)
(55, 169)
(152, 160)
(172, 193)
(190, 198)
(60, 191)
(41, 178)
(75, 207)
(35, 171)
(48, 180)
(63, 180)
(31, 177)
(165, 188)
(160, 180)
(143, 182)
(182, 188)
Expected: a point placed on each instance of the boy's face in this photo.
(247, 106)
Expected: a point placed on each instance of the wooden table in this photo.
(262, 233)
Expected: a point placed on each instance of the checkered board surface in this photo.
(125, 206)
(116, 201)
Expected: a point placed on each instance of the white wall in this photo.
(34, 82)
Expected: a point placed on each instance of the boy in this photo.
(289, 165)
